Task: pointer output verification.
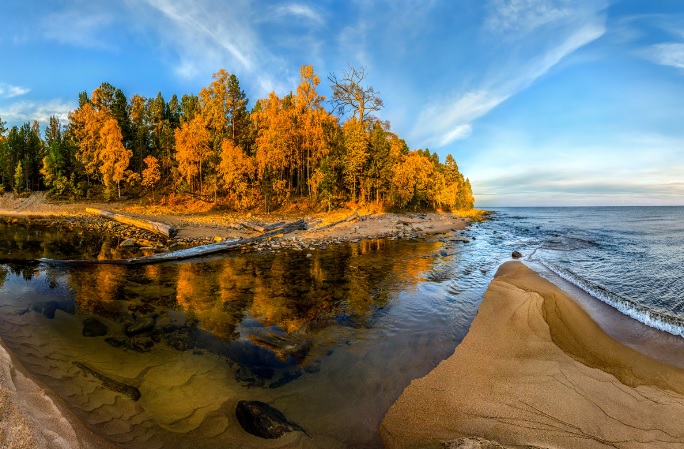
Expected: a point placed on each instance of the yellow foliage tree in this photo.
(192, 150)
(113, 156)
(238, 172)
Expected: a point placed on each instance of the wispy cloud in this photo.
(517, 18)
(10, 91)
(513, 67)
(299, 10)
(78, 28)
(27, 111)
(669, 54)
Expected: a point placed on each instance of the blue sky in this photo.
(542, 102)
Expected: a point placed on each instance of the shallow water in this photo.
(331, 339)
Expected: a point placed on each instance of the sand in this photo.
(535, 370)
(31, 417)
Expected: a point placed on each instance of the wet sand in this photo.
(31, 417)
(535, 370)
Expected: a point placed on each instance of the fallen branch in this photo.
(188, 253)
(166, 230)
(349, 219)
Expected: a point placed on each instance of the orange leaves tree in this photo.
(192, 151)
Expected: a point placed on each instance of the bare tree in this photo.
(348, 93)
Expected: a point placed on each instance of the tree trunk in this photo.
(166, 230)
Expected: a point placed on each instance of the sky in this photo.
(541, 102)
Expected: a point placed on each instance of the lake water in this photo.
(331, 340)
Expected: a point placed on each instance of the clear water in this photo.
(331, 340)
(631, 258)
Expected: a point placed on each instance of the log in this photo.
(253, 226)
(352, 217)
(166, 230)
(189, 253)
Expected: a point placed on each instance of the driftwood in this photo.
(258, 228)
(189, 253)
(167, 231)
(352, 217)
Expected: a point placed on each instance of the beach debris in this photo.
(163, 229)
(264, 421)
(473, 443)
(516, 255)
(128, 243)
(109, 383)
(92, 327)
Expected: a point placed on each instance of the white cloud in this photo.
(27, 111)
(300, 11)
(10, 91)
(669, 54)
(513, 67)
(519, 17)
(78, 28)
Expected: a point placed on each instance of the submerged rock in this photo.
(138, 327)
(516, 255)
(92, 327)
(109, 383)
(264, 421)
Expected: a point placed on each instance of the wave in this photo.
(657, 319)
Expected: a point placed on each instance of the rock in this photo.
(286, 379)
(218, 239)
(472, 443)
(443, 253)
(516, 255)
(117, 342)
(140, 344)
(92, 327)
(264, 421)
(109, 383)
(128, 243)
(140, 326)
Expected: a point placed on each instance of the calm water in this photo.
(331, 340)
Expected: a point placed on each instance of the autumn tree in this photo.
(350, 94)
(356, 146)
(238, 172)
(192, 150)
(113, 157)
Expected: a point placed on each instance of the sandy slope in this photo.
(535, 370)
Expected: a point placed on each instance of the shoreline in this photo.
(536, 370)
(202, 227)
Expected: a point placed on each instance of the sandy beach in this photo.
(536, 371)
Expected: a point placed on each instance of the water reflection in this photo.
(291, 329)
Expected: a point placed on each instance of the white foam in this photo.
(653, 318)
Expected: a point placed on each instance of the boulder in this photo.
(264, 421)
(92, 327)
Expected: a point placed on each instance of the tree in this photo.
(192, 149)
(348, 93)
(112, 155)
(356, 145)
(18, 179)
(237, 171)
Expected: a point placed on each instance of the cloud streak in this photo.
(10, 91)
(667, 54)
(28, 111)
(443, 121)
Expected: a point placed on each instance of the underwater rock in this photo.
(140, 326)
(117, 342)
(109, 383)
(516, 255)
(286, 379)
(264, 421)
(140, 344)
(92, 327)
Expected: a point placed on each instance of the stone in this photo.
(92, 327)
(516, 255)
(139, 327)
(128, 243)
(264, 421)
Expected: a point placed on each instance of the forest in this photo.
(285, 150)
